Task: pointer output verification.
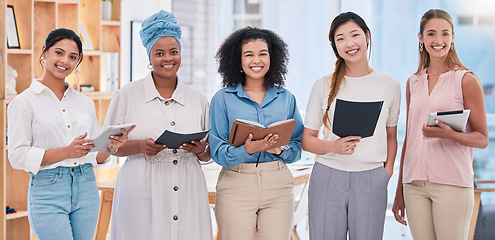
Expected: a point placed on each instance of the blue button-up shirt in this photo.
(233, 103)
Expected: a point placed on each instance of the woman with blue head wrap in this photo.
(160, 193)
(161, 24)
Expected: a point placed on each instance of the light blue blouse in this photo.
(233, 103)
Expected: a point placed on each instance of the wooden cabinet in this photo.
(35, 19)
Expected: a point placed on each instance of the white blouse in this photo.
(39, 121)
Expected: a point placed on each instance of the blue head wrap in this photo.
(161, 24)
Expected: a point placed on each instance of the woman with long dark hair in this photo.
(348, 185)
(50, 126)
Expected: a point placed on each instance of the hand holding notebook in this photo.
(242, 128)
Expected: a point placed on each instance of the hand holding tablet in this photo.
(101, 141)
(457, 120)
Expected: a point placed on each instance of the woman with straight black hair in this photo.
(50, 128)
(348, 185)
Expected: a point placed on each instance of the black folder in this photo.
(355, 118)
(173, 140)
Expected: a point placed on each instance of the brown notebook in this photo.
(241, 129)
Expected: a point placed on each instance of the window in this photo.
(485, 20)
(474, 41)
(465, 20)
(247, 13)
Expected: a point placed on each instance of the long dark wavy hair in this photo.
(229, 57)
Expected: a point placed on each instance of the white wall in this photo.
(135, 10)
(304, 26)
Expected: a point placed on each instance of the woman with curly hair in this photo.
(253, 200)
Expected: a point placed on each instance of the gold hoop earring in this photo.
(42, 60)
(420, 46)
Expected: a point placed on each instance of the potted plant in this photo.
(106, 9)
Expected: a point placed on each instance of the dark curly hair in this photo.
(229, 57)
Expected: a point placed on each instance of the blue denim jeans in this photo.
(63, 203)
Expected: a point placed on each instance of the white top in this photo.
(163, 196)
(371, 152)
(141, 103)
(39, 121)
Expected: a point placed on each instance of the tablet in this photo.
(101, 141)
(455, 119)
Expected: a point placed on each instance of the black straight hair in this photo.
(338, 74)
(61, 34)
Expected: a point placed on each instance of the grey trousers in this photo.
(343, 202)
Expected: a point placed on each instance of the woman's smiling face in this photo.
(437, 37)
(255, 59)
(351, 42)
(165, 57)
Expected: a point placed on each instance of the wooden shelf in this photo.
(110, 23)
(18, 214)
(99, 95)
(68, 1)
(19, 51)
(91, 53)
